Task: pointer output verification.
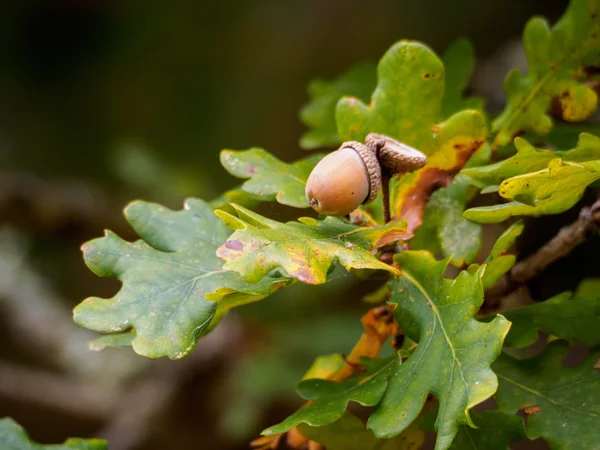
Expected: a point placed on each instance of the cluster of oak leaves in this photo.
(191, 266)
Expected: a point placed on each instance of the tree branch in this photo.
(560, 245)
(565, 241)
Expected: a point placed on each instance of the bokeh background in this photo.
(102, 102)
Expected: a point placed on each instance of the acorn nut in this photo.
(343, 180)
(354, 174)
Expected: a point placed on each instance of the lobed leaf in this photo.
(360, 81)
(531, 159)
(568, 397)
(549, 191)
(556, 59)
(452, 360)
(575, 317)
(406, 105)
(14, 437)
(171, 279)
(306, 250)
(268, 177)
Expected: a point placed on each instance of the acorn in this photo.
(352, 175)
(344, 179)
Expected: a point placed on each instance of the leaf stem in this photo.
(385, 191)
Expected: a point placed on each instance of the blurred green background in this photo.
(106, 101)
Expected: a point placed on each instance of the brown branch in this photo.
(560, 245)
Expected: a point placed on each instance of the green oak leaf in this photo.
(306, 249)
(329, 399)
(319, 113)
(406, 105)
(548, 191)
(575, 317)
(556, 58)
(568, 397)
(531, 159)
(269, 177)
(444, 227)
(172, 279)
(14, 437)
(452, 360)
(361, 80)
(349, 433)
(459, 60)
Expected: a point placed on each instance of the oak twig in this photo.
(560, 245)
(566, 240)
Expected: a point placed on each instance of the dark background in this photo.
(102, 102)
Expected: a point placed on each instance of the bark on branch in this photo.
(560, 245)
(565, 241)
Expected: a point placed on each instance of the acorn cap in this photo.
(369, 157)
(395, 156)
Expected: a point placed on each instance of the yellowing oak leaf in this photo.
(531, 159)
(548, 191)
(305, 250)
